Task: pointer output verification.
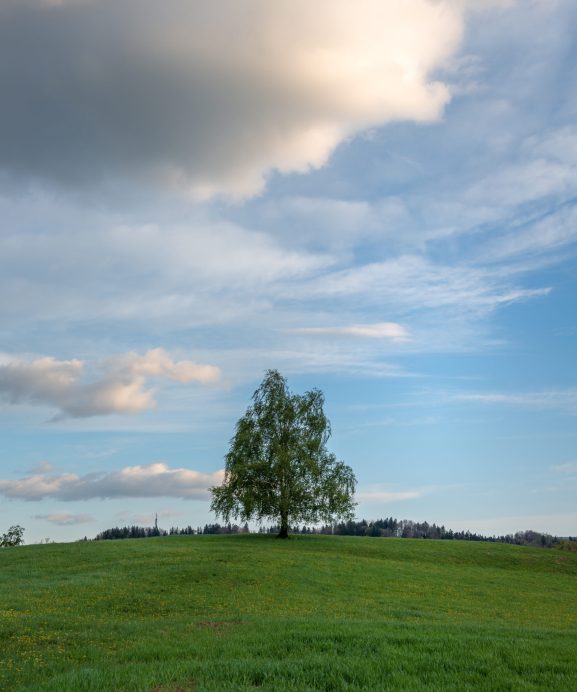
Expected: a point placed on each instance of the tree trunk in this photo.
(283, 526)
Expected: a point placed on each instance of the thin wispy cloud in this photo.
(379, 330)
(317, 356)
(556, 231)
(415, 282)
(65, 519)
(564, 400)
(204, 272)
(384, 493)
(177, 279)
(388, 495)
(392, 422)
(336, 224)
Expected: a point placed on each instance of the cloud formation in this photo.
(378, 330)
(64, 519)
(143, 271)
(120, 389)
(152, 480)
(157, 363)
(564, 400)
(388, 496)
(210, 97)
(417, 283)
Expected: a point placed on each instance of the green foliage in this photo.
(14, 536)
(278, 466)
(570, 545)
(314, 613)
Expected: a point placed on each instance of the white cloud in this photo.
(316, 356)
(542, 164)
(378, 330)
(523, 182)
(179, 277)
(412, 281)
(333, 223)
(153, 480)
(206, 97)
(187, 274)
(120, 389)
(552, 233)
(529, 197)
(564, 400)
(158, 363)
(377, 493)
(388, 496)
(316, 256)
(64, 519)
(391, 421)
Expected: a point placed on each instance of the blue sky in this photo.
(377, 199)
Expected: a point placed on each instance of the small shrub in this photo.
(14, 536)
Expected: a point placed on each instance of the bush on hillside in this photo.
(14, 536)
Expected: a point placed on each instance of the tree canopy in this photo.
(14, 536)
(278, 466)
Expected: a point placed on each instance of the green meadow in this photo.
(311, 613)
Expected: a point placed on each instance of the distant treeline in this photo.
(119, 532)
(381, 528)
(405, 528)
(141, 532)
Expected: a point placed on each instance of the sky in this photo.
(378, 199)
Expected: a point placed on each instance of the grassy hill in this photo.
(314, 612)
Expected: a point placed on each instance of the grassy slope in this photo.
(315, 612)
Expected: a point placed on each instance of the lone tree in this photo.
(14, 536)
(278, 466)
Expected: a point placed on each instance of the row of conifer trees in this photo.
(380, 528)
